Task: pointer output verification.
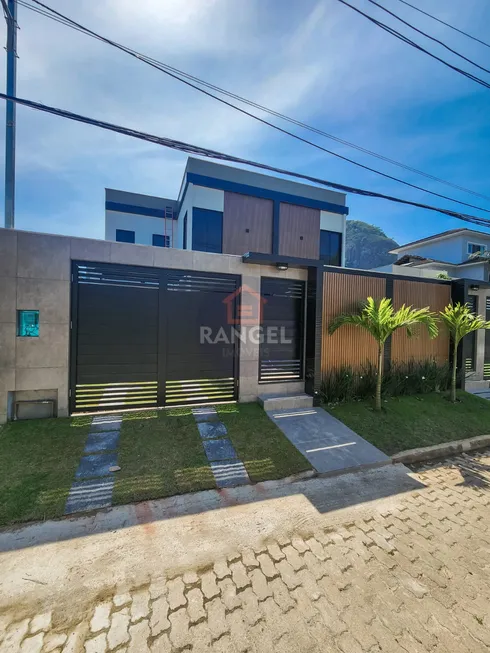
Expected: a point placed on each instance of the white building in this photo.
(229, 210)
(459, 253)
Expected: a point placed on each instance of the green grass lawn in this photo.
(266, 453)
(160, 454)
(38, 461)
(416, 421)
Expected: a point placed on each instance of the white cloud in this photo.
(316, 61)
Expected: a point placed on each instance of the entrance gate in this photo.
(137, 340)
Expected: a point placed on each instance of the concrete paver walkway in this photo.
(405, 574)
(328, 444)
(228, 470)
(94, 481)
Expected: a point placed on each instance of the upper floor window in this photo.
(207, 231)
(184, 243)
(330, 247)
(474, 248)
(124, 236)
(159, 240)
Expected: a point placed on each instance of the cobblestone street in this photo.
(413, 578)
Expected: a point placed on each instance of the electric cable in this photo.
(215, 154)
(169, 71)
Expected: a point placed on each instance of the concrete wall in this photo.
(477, 272)
(35, 271)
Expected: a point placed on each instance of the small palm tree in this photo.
(460, 322)
(380, 319)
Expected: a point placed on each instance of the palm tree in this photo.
(460, 322)
(380, 319)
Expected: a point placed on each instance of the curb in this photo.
(441, 450)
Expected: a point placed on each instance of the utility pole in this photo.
(10, 9)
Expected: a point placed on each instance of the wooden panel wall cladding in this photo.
(299, 231)
(349, 345)
(247, 224)
(420, 347)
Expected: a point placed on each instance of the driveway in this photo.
(383, 560)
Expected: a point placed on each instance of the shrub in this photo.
(412, 377)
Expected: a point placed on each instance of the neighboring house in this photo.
(459, 253)
(228, 210)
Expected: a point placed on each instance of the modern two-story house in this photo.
(227, 210)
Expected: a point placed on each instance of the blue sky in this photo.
(317, 61)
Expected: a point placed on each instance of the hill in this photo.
(367, 246)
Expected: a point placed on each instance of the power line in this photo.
(409, 41)
(176, 74)
(474, 38)
(215, 154)
(432, 38)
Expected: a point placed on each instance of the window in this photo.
(330, 247)
(160, 241)
(474, 248)
(184, 241)
(207, 231)
(124, 236)
(28, 324)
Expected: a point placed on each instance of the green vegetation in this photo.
(379, 318)
(266, 453)
(367, 246)
(37, 465)
(460, 321)
(346, 383)
(416, 421)
(160, 454)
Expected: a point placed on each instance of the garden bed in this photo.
(412, 421)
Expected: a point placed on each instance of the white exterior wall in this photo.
(201, 198)
(335, 222)
(452, 250)
(143, 226)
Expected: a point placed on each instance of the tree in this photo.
(367, 246)
(380, 319)
(460, 322)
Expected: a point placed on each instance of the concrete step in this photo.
(285, 402)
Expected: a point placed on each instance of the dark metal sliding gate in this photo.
(145, 337)
(281, 353)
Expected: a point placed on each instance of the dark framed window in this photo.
(159, 240)
(207, 230)
(28, 324)
(124, 236)
(184, 240)
(330, 247)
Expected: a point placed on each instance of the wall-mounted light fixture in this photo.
(474, 287)
(282, 266)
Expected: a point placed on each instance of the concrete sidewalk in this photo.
(328, 444)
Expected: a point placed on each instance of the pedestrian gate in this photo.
(282, 320)
(138, 337)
